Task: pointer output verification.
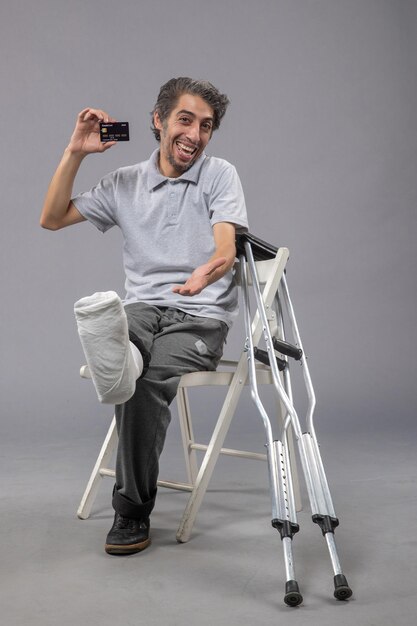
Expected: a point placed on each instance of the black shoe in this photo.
(127, 535)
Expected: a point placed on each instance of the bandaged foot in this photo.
(114, 362)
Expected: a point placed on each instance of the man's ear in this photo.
(157, 121)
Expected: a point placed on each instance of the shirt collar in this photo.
(155, 178)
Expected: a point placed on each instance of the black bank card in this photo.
(114, 131)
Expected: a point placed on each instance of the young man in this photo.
(179, 213)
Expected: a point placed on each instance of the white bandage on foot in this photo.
(114, 362)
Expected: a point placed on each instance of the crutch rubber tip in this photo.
(292, 596)
(342, 591)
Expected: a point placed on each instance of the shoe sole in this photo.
(128, 549)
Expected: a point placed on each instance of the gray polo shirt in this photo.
(167, 229)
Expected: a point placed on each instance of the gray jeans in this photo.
(173, 343)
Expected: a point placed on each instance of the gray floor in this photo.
(54, 569)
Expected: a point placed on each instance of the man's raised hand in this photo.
(86, 136)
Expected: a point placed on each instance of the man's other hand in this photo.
(200, 278)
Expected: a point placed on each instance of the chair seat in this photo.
(222, 377)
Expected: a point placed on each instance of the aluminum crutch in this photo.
(322, 509)
(279, 466)
(284, 517)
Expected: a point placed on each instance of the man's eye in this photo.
(184, 119)
(207, 126)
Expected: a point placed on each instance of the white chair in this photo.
(230, 374)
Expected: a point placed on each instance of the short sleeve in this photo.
(98, 205)
(227, 202)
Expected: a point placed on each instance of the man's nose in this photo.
(193, 132)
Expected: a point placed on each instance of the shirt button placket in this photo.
(172, 202)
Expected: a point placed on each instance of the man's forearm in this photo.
(59, 193)
(226, 252)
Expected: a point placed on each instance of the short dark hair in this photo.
(170, 93)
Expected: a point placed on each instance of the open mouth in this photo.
(185, 151)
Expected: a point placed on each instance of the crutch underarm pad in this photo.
(287, 348)
(262, 356)
(261, 250)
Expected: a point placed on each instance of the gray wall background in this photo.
(322, 129)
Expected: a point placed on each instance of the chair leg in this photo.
(93, 484)
(213, 451)
(187, 435)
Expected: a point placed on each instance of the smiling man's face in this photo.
(184, 134)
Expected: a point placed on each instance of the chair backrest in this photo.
(269, 274)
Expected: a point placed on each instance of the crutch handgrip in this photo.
(262, 356)
(287, 348)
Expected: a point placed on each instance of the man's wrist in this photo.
(73, 155)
